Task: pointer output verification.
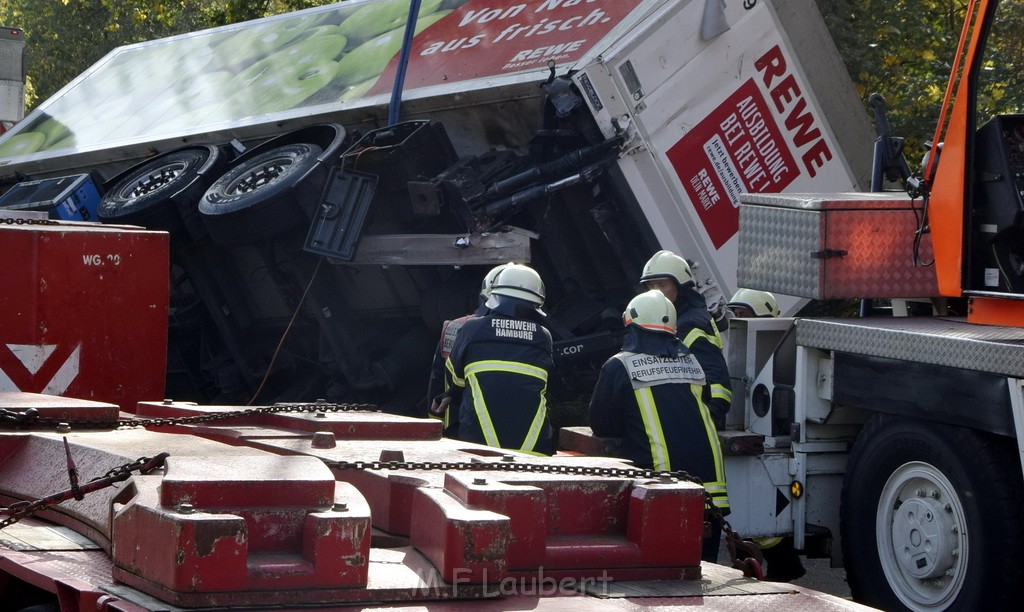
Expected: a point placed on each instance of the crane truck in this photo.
(328, 186)
(902, 434)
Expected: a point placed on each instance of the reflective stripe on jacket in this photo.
(437, 383)
(498, 369)
(664, 425)
(696, 328)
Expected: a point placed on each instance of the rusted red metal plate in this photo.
(228, 531)
(64, 316)
(57, 407)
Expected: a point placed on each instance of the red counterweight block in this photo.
(83, 311)
(483, 527)
(243, 530)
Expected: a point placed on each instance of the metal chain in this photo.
(23, 221)
(19, 510)
(30, 418)
(750, 564)
(508, 464)
(122, 472)
(22, 509)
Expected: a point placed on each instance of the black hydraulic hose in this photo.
(553, 169)
(877, 103)
(514, 202)
(517, 199)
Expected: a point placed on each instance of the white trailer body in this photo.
(720, 98)
(751, 110)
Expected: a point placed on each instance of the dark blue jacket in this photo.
(696, 328)
(498, 372)
(650, 396)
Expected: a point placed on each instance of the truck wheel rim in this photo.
(266, 173)
(922, 536)
(155, 180)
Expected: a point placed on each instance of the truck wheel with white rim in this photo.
(263, 196)
(930, 518)
(161, 193)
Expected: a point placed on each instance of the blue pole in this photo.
(403, 62)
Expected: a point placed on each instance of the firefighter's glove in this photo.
(716, 302)
(440, 404)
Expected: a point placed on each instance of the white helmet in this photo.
(488, 282)
(761, 303)
(519, 281)
(666, 264)
(652, 311)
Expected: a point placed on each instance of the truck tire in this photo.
(144, 196)
(262, 196)
(930, 518)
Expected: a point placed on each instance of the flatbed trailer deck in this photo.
(448, 530)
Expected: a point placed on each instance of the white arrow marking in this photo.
(32, 356)
(66, 374)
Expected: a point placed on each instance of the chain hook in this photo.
(72, 472)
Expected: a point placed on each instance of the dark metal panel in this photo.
(923, 391)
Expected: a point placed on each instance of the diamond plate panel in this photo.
(86, 567)
(774, 244)
(879, 261)
(26, 536)
(830, 201)
(838, 246)
(939, 341)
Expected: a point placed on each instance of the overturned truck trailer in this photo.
(326, 217)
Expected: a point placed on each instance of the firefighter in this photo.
(499, 365)
(670, 274)
(651, 396)
(436, 388)
(752, 304)
(779, 553)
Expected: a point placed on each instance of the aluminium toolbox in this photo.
(835, 246)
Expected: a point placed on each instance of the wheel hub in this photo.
(266, 174)
(923, 537)
(156, 180)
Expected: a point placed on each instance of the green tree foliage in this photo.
(905, 51)
(1002, 80)
(64, 37)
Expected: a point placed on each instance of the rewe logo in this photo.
(38, 368)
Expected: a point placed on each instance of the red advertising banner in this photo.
(737, 148)
(488, 38)
(321, 57)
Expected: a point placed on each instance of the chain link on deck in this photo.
(23, 509)
(750, 564)
(30, 418)
(23, 221)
